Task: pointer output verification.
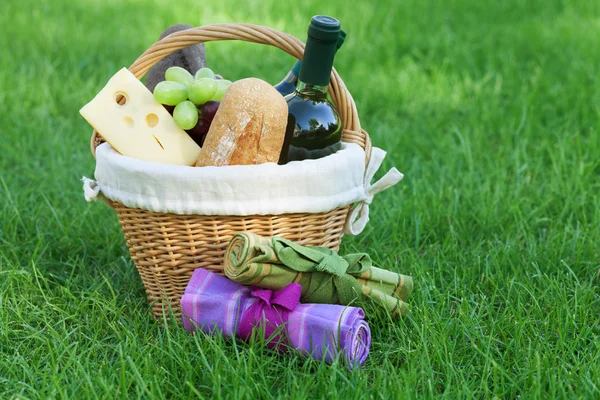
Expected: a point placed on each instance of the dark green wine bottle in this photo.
(317, 127)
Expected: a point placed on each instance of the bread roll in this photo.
(248, 128)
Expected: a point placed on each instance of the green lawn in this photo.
(490, 108)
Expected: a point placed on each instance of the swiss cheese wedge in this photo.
(141, 127)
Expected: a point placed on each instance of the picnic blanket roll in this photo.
(212, 303)
(325, 276)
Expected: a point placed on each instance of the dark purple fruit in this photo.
(198, 132)
(208, 110)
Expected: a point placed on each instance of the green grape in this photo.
(222, 86)
(205, 73)
(180, 75)
(170, 93)
(186, 115)
(202, 90)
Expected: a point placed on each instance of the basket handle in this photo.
(256, 34)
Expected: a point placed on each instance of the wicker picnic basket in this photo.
(166, 248)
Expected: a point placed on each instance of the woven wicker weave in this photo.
(167, 248)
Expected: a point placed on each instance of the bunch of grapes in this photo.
(192, 100)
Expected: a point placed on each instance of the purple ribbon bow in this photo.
(272, 309)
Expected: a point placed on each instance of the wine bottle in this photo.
(289, 83)
(317, 127)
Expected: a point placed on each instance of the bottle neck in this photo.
(313, 91)
(296, 68)
(317, 61)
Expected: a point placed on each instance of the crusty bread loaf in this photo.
(248, 128)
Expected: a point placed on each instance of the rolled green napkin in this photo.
(325, 276)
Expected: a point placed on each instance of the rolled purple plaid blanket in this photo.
(213, 302)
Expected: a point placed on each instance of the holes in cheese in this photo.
(158, 141)
(142, 129)
(121, 98)
(129, 122)
(152, 120)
